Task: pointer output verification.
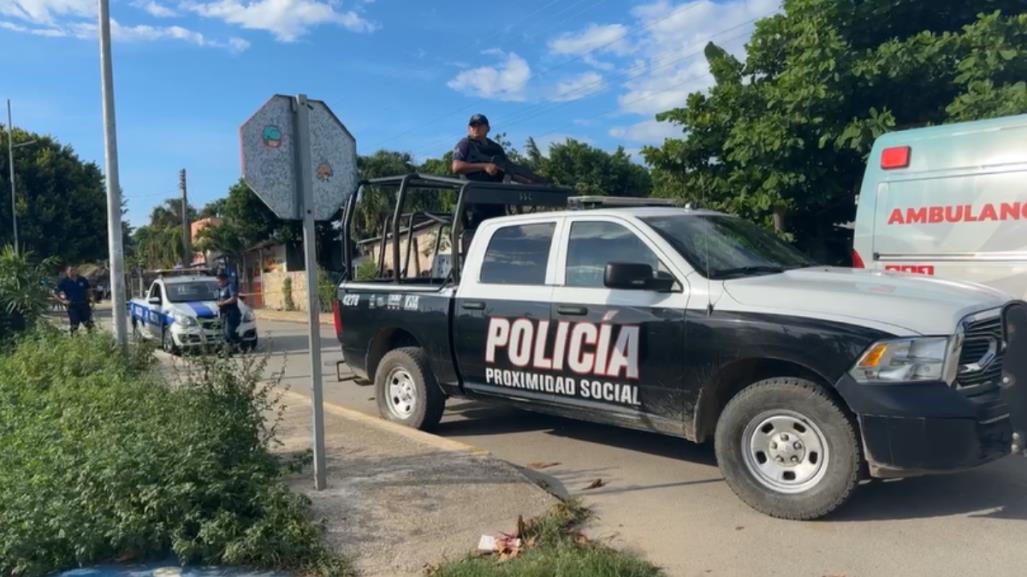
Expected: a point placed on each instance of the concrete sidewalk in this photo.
(399, 499)
(290, 316)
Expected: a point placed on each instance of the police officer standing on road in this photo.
(73, 292)
(228, 306)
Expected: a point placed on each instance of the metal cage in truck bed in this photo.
(476, 201)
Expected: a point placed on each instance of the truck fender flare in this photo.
(382, 342)
(727, 380)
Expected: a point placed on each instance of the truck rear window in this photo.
(518, 254)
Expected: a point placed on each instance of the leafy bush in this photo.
(104, 460)
(368, 270)
(290, 305)
(327, 290)
(24, 292)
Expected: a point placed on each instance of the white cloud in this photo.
(665, 89)
(46, 11)
(237, 45)
(287, 20)
(578, 87)
(155, 9)
(608, 38)
(647, 132)
(146, 33)
(506, 82)
(675, 35)
(49, 32)
(77, 18)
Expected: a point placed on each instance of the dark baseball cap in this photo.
(478, 119)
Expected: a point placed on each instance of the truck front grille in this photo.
(980, 361)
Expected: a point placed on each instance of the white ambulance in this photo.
(948, 201)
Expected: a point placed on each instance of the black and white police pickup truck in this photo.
(699, 325)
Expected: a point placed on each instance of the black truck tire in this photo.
(788, 449)
(406, 389)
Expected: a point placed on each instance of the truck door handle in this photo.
(571, 310)
(473, 305)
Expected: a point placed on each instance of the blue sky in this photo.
(401, 74)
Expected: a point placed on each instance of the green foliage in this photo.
(787, 130)
(590, 170)
(556, 548)
(326, 290)
(290, 305)
(158, 244)
(61, 202)
(245, 221)
(24, 292)
(103, 460)
(367, 270)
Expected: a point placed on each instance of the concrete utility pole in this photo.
(187, 253)
(115, 249)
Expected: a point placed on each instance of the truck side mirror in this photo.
(154, 300)
(636, 276)
(627, 275)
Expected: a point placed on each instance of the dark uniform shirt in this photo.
(75, 290)
(476, 151)
(224, 293)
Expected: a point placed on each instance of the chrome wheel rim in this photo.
(402, 393)
(785, 451)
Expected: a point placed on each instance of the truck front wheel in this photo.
(788, 449)
(406, 390)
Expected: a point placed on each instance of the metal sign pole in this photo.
(306, 197)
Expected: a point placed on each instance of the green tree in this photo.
(783, 136)
(589, 170)
(158, 244)
(245, 221)
(61, 203)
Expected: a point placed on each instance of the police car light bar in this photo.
(587, 202)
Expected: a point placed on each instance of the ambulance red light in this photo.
(857, 261)
(895, 157)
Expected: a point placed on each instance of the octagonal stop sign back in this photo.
(270, 158)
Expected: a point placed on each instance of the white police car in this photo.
(181, 313)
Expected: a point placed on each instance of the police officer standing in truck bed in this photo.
(475, 155)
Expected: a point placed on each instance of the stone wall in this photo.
(274, 296)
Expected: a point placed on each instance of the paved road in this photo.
(666, 498)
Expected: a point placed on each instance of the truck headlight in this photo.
(186, 322)
(906, 360)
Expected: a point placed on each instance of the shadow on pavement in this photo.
(485, 419)
(996, 491)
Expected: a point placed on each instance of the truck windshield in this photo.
(180, 292)
(724, 247)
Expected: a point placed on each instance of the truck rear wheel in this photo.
(406, 390)
(788, 449)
